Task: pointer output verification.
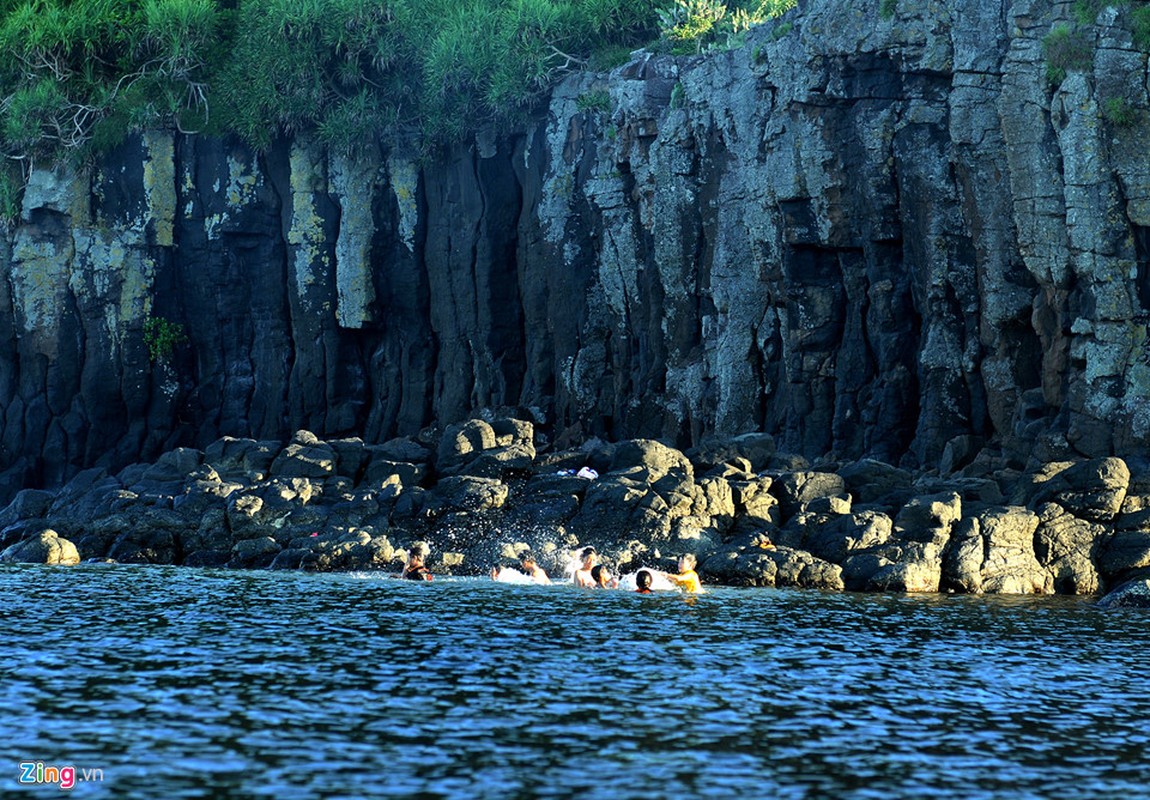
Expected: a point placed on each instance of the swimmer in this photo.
(582, 577)
(414, 569)
(643, 582)
(687, 579)
(603, 578)
(532, 568)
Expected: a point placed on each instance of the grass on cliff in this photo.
(78, 75)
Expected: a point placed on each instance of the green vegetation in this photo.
(1140, 27)
(78, 75)
(779, 31)
(692, 26)
(1086, 11)
(598, 100)
(1119, 112)
(1065, 49)
(10, 194)
(162, 336)
(887, 8)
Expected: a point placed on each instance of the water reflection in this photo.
(185, 683)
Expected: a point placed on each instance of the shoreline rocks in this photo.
(481, 489)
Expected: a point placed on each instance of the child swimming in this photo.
(643, 582)
(582, 577)
(414, 569)
(687, 579)
(603, 578)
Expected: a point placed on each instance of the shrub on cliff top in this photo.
(690, 26)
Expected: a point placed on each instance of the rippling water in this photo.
(188, 683)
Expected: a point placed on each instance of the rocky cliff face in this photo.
(866, 236)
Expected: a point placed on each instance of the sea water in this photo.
(157, 682)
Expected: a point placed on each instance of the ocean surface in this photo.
(156, 682)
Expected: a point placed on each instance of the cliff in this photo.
(866, 236)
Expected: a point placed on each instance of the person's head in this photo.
(643, 579)
(527, 559)
(600, 574)
(588, 556)
(686, 562)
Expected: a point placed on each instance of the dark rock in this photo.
(28, 504)
(467, 493)
(208, 558)
(794, 489)
(254, 553)
(305, 457)
(1134, 594)
(871, 481)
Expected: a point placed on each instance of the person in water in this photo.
(687, 579)
(582, 577)
(415, 569)
(532, 569)
(643, 582)
(603, 578)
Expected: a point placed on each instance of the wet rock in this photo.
(208, 558)
(779, 567)
(1134, 594)
(254, 553)
(46, 547)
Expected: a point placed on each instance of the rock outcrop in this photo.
(868, 235)
(245, 504)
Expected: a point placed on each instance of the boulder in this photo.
(1125, 551)
(870, 481)
(655, 458)
(993, 552)
(1133, 594)
(835, 539)
(28, 504)
(1067, 547)
(1095, 489)
(46, 547)
(305, 456)
(462, 443)
(751, 451)
(795, 489)
(1092, 490)
(782, 566)
(468, 493)
(254, 553)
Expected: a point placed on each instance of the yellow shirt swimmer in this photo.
(687, 579)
